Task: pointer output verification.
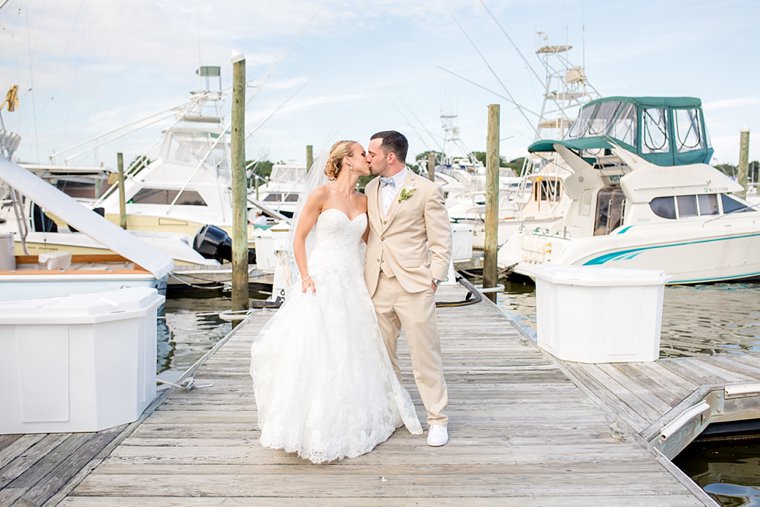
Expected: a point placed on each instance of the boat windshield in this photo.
(688, 134)
(287, 174)
(623, 126)
(581, 124)
(612, 118)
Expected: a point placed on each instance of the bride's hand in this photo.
(307, 283)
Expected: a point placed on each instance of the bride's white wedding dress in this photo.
(323, 382)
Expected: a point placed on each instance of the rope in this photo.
(474, 296)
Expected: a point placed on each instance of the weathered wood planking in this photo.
(522, 433)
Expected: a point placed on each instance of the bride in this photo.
(323, 382)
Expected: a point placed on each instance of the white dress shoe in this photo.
(438, 435)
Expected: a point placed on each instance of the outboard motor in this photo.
(213, 242)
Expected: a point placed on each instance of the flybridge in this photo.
(665, 131)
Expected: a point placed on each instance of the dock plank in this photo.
(522, 433)
(526, 429)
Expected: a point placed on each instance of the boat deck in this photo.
(526, 429)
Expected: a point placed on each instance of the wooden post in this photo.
(431, 166)
(490, 269)
(309, 156)
(239, 218)
(256, 183)
(122, 198)
(743, 160)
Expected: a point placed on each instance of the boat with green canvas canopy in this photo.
(643, 196)
(666, 131)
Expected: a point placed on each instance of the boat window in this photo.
(610, 206)
(708, 204)
(163, 196)
(731, 205)
(688, 136)
(273, 197)
(623, 127)
(580, 125)
(687, 206)
(547, 190)
(655, 130)
(603, 117)
(664, 207)
(291, 197)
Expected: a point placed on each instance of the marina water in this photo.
(699, 319)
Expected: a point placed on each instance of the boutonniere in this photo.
(405, 194)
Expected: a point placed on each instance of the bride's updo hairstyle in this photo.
(335, 160)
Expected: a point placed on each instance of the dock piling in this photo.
(239, 218)
(490, 270)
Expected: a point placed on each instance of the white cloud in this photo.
(96, 64)
(731, 103)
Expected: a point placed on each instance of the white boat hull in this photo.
(700, 252)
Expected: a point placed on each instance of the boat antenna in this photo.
(280, 59)
(525, 60)
(422, 126)
(280, 106)
(493, 72)
(583, 46)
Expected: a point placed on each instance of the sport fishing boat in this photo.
(643, 195)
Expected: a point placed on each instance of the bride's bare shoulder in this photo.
(320, 192)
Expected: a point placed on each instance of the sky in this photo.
(320, 71)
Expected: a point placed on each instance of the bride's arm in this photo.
(365, 236)
(309, 215)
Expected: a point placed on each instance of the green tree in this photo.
(259, 169)
(480, 156)
(139, 163)
(516, 165)
(754, 170)
(727, 169)
(421, 158)
(503, 162)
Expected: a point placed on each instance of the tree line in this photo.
(261, 170)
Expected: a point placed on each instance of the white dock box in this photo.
(461, 242)
(83, 362)
(594, 314)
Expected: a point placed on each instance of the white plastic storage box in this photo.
(7, 257)
(594, 314)
(83, 362)
(461, 245)
(270, 243)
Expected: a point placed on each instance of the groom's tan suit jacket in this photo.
(413, 240)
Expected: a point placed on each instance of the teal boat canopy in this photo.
(585, 143)
(666, 131)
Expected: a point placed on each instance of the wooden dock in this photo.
(526, 429)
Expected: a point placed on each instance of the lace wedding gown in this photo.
(323, 382)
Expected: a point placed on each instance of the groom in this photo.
(408, 255)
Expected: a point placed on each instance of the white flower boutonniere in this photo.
(405, 194)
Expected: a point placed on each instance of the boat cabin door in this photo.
(610, 209)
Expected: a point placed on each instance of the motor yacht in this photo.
(643, 195)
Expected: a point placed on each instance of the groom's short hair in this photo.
(393, 141)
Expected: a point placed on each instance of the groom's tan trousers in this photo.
(415, 312)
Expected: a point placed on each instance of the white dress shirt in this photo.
(389, 193)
